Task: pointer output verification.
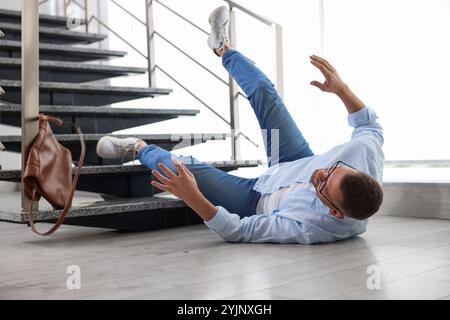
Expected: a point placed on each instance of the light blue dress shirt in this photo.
(304, 218)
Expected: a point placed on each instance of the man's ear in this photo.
(336, 214)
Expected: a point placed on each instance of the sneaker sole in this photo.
(211, 16)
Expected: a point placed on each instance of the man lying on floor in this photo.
(303, 198)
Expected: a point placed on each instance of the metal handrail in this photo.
(181, 17)
(93, 17)
(67, 2)
(238, 93)
(192, 59)
(192, 94)
(128, 12)
(278, 40)
(183, 52)
(234, 90)
(258, 17)
(203, 103)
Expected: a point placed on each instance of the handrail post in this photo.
(234, 99)
(150, 43)
(279, 60)
(87, 14)
(30, 82)
(66, 8)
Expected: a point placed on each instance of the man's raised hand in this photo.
(333, 82)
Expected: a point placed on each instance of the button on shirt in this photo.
(302, 217)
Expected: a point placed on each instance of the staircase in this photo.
(124, 199)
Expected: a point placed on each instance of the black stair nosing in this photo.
(64, 48)
(55, 32)
(43, 18)
(15, 175)
(75, 66)
(110, 111)
(89, 88)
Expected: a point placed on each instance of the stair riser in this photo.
(70, 98)
(55, 56)
(129, 185)
(140, 220)
(136, 185)
(73, 76)
(89, 124)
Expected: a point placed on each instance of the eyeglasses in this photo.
(322, 185)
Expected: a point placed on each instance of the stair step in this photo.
(96, 119)
(59, 52)
(124, 180)
(96, 171)
(126, 214)
(51, 35)
(79, 94)
(72, 142)
(58, 71)
(45, 20)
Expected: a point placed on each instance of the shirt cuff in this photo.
(362, 117)
(219, 222)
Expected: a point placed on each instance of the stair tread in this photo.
(121, 205)
(75, 66)
(89, 137)
(89, 204)
(63, 86)
(86, 110)
(55, 32)
(137, 168)
(64, 48)
(60, 20)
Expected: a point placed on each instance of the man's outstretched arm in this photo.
(334, 84)
(365, 121)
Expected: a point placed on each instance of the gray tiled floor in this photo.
(412, 254)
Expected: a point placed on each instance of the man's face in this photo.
(333, 195)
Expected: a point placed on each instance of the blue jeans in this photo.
(234, 193)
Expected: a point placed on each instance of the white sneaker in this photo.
(1, 34)
(115, 148)
(219, 21)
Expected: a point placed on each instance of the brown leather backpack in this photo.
(48, 171)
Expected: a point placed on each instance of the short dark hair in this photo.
(362, 195)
